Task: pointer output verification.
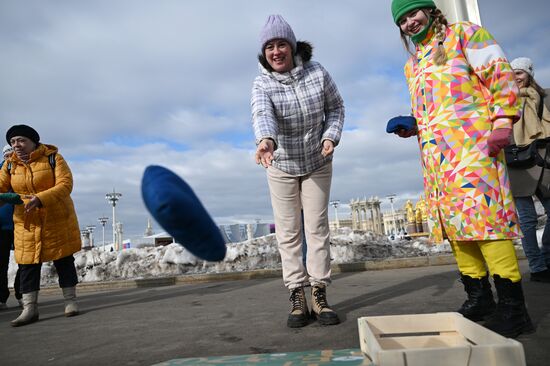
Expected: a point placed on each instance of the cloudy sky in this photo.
(120, 85)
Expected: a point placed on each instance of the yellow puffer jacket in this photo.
(50, 232)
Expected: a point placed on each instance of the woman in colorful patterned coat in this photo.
(464, 100)
(46, 226)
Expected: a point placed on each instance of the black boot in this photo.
(299, 314)
(542, 276)
(510, 318)
(480, 301)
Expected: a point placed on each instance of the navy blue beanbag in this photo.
(401, 123)
(177, 209)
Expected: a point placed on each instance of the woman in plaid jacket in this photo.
(298, 115)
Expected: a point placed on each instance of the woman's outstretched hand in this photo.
(264, 152)
(328, 148)
(406, 133)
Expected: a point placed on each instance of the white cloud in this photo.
(121, 85)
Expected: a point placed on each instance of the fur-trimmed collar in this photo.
(303, 49)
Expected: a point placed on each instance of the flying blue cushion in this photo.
(401, 123)
(177, 209)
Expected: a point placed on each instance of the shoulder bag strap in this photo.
(540, 111)
(51, 160)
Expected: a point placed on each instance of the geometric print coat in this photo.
(456, 106)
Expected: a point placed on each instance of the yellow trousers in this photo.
(499, 255)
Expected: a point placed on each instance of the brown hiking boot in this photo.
(299, 313)
(320, 308)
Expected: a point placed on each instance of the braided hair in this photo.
(440, 27)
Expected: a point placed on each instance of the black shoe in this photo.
(299, 314)
(542, 276)
(510, 318)
(480, 302)
(320, 309)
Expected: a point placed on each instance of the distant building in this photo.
(395, 223)
(366, 215)
(341, 223)
(236, 233)
(158, 239)
(231, 234)
(162, 239)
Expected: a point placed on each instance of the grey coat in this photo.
(524, 182)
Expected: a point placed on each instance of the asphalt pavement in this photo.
(149, 325)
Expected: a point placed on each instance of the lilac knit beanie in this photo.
(277, 27)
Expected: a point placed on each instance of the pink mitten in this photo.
(499, 138)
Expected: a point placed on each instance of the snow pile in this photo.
(261, 253)
(349, 246)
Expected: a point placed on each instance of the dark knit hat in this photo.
(23, 130)
(277, 28)
(402, 7)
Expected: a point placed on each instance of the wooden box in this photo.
(435, 339)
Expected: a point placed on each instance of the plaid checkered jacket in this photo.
(298, 110)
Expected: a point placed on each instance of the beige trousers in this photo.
(289, 195)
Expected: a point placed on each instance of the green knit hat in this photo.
(402, 7)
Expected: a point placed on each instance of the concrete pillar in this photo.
(249, 232)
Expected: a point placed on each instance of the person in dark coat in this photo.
(527, 183)
(6, 244)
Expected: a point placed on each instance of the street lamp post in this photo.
(90, 229)
(103, 220)
(85, 234)
(113, 198)
(391, 197)
(335, 204)
(460, 10)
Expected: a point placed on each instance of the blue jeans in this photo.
(539, 260)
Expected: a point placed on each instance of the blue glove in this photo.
(11, 198)
(177, 209)
(406, 123)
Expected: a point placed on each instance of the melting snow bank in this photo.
(260, 253)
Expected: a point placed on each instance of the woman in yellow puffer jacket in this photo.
(46, 226)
